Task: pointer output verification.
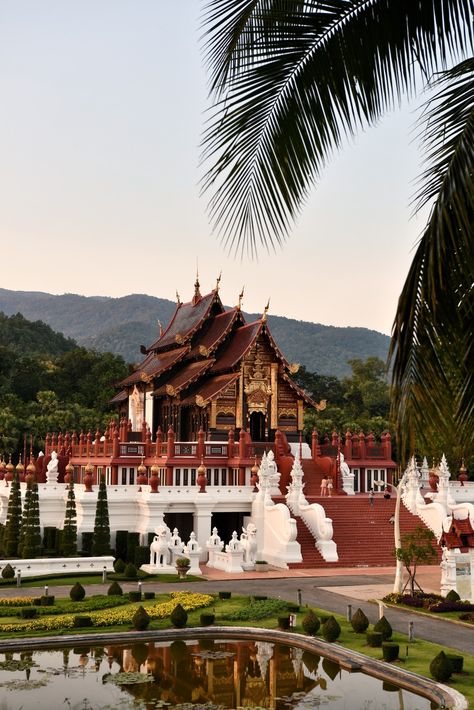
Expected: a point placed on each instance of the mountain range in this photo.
(121, 325)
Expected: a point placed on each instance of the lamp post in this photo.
(397, 585)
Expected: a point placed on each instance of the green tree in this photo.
(69, 531)
(101, 538)
(30, 536)
(290, 81)
(13, 524)
(417, 548)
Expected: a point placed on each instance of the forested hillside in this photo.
(121, 325)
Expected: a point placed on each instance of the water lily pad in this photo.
(127, 678)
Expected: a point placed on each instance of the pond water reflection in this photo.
(190, 675)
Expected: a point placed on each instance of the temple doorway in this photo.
(226, 523)
(183, 521)
(257, 426)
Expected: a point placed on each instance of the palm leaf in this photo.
(432, 340)
(290, 80)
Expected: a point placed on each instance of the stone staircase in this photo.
(363, 534)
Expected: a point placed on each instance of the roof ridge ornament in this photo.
(197, 294)
(178, 300)
(265, 311)
(241, 295)
(218, 281)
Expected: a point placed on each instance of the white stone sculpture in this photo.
(248, 540)
(234, 544)
(214, 542)
(193, 551)
(273, 474)
(52, 469)
(448, 571)
(160, 553)
(347, 476)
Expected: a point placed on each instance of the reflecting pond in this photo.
(190, 675)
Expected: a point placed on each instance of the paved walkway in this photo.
(326, 588)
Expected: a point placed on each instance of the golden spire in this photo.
(178, 300)
(160, 327)
(265, 311)
(241, 295)
(218, 280)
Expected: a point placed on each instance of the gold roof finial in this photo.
(178, 298)
(241, 295)
(218, 280)
(160, 327)
(197, 294)
(265, 311)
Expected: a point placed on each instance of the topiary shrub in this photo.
(284, 622)
(8, 572)
(135, 596)
(331, 629)
(384, 628)
(148, 595)
(441, 668)
(77, 592)
(47, 600)
(28, 612)
(457, 662)
(359, 622)
(225, 595)
(374, 639)
(390, 651)
(260, 597)
(141, 619)
(119, 566)
(130, 571)
(140, 653)
(179, 617)
(37, 601)
(141, 555)
(207, 619)
(452, 596)
(115, 590)
(80, 622)
(311, 623)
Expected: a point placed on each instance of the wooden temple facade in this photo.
(211, 370)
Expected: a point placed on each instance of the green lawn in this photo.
(415, 656)
(449, 615)
(65, 580)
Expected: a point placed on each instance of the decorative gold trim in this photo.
(321, 406)
(222, 411)
(170, 390)
(200, 401)
(287, 412)
(179, 338)
(294, 367)
(203, 350)
(300, 414)
(213, 414)
(274, 387)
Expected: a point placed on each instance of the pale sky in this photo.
(100, 118)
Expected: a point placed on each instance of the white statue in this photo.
(234, 544)
(160, 553)
(248, 540)
(52, 469)
(214, 541)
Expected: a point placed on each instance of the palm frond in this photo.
(432, 339)
(291, 79)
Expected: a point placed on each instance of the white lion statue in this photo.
(249, 543)
(160, 553)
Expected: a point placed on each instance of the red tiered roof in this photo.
(184, 377)
(186, 320)
(218, 330)
(240, 343)
(212, 388)
(153, 365)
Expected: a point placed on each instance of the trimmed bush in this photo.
(225, 595)
(8, 572)
(441, 668)
(80, 622)
(140, 653)
(115, 590)
(141, 619)
(383, 627)
(374, 639)
(359, 622)
(331, 629)
(47, 600)
(133, 541)
(121, 544)
(130, 571)
(207, 619)
(37, 601)
(390, 651)
(452, 596)
(260, 598)
(135, 596)
(457, 662)
(179, 617)
(311, 623)
(142, 556)
(77, 592)
(284, 622)
(87, 541)
(148, 595)
(28, 612)
(51, 540)
(119, 566)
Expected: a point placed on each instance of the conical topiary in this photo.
(69, 532)
(452, 596)
(115, 590)
(441, 668)
(331, 629)
(8, 572)
(13, 524)
(30, 537)
(179, 617)
(311, 623)
(141, 619)
(130, 571)
(359, 622)
(101, 537)
(383, 627)
(77, 592)
(119, 566)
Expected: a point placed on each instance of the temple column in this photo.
(274, 403)
(202, 518)
(239, 415)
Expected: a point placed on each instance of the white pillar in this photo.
(202, 527)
